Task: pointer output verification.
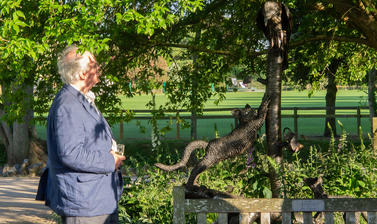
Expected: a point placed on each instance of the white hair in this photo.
(71, 63)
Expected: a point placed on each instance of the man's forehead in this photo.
(90, 56)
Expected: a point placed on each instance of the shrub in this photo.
(346, 168)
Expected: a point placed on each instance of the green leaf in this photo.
(267, 193)
(361, 183)
(20, 14)
(119, 18)
(128, 17)
(16, 28)
(21, 23)
(255, 185)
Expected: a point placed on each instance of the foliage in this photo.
(32, 32)
(346, 169)
(310, 59)
(147, 195)
(128, 37)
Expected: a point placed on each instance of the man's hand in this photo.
(118, 159)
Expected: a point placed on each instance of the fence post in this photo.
(295, 118)
(177, 125)
(350, 217)
(178, 205)
(358, 121)
(202, 218)
(121, 126)
(374, 126)
(286, 216)
(265, 218)
(194, 133)
(372, 218)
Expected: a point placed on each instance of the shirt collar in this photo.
(89, 96)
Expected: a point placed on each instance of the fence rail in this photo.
(351, 206)
(294, 114)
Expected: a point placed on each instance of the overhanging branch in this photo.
(200, 14)
(292, 44)
(329, 38)
(196, 48)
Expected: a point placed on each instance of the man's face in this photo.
(93, 73)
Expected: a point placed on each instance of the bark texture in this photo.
(371, 95)
(331, 97)
(19, 137)
(273, 120)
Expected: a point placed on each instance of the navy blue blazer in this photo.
(81, 180)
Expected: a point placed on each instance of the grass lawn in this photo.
(239, 99)
(210, 128)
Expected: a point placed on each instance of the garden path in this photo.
(18, 204)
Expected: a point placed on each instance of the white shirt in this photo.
(89, 96)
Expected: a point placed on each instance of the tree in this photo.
(19, 52)
(372, 95)
(32, 32)
(276, 22)
(127, 36)
(314, 59)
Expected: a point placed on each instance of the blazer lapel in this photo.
(91, 110)
(80, 97)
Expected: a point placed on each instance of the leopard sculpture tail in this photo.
(192, 146)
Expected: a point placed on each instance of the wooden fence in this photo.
(295, 112)
(351, 207)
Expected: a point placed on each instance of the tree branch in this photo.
(196, 48)
(292, 44)
(3, 40)
(329, 38)
(359, 17)
(199, 15)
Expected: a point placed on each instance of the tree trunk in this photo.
(194, 87)
(21, 141)
(372, 95)
(273, 119)
(330, 106)
(331, 97)
(19, 137)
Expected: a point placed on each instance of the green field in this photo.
(210, 128)
(289, 99)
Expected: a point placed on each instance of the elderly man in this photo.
(83, 183)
